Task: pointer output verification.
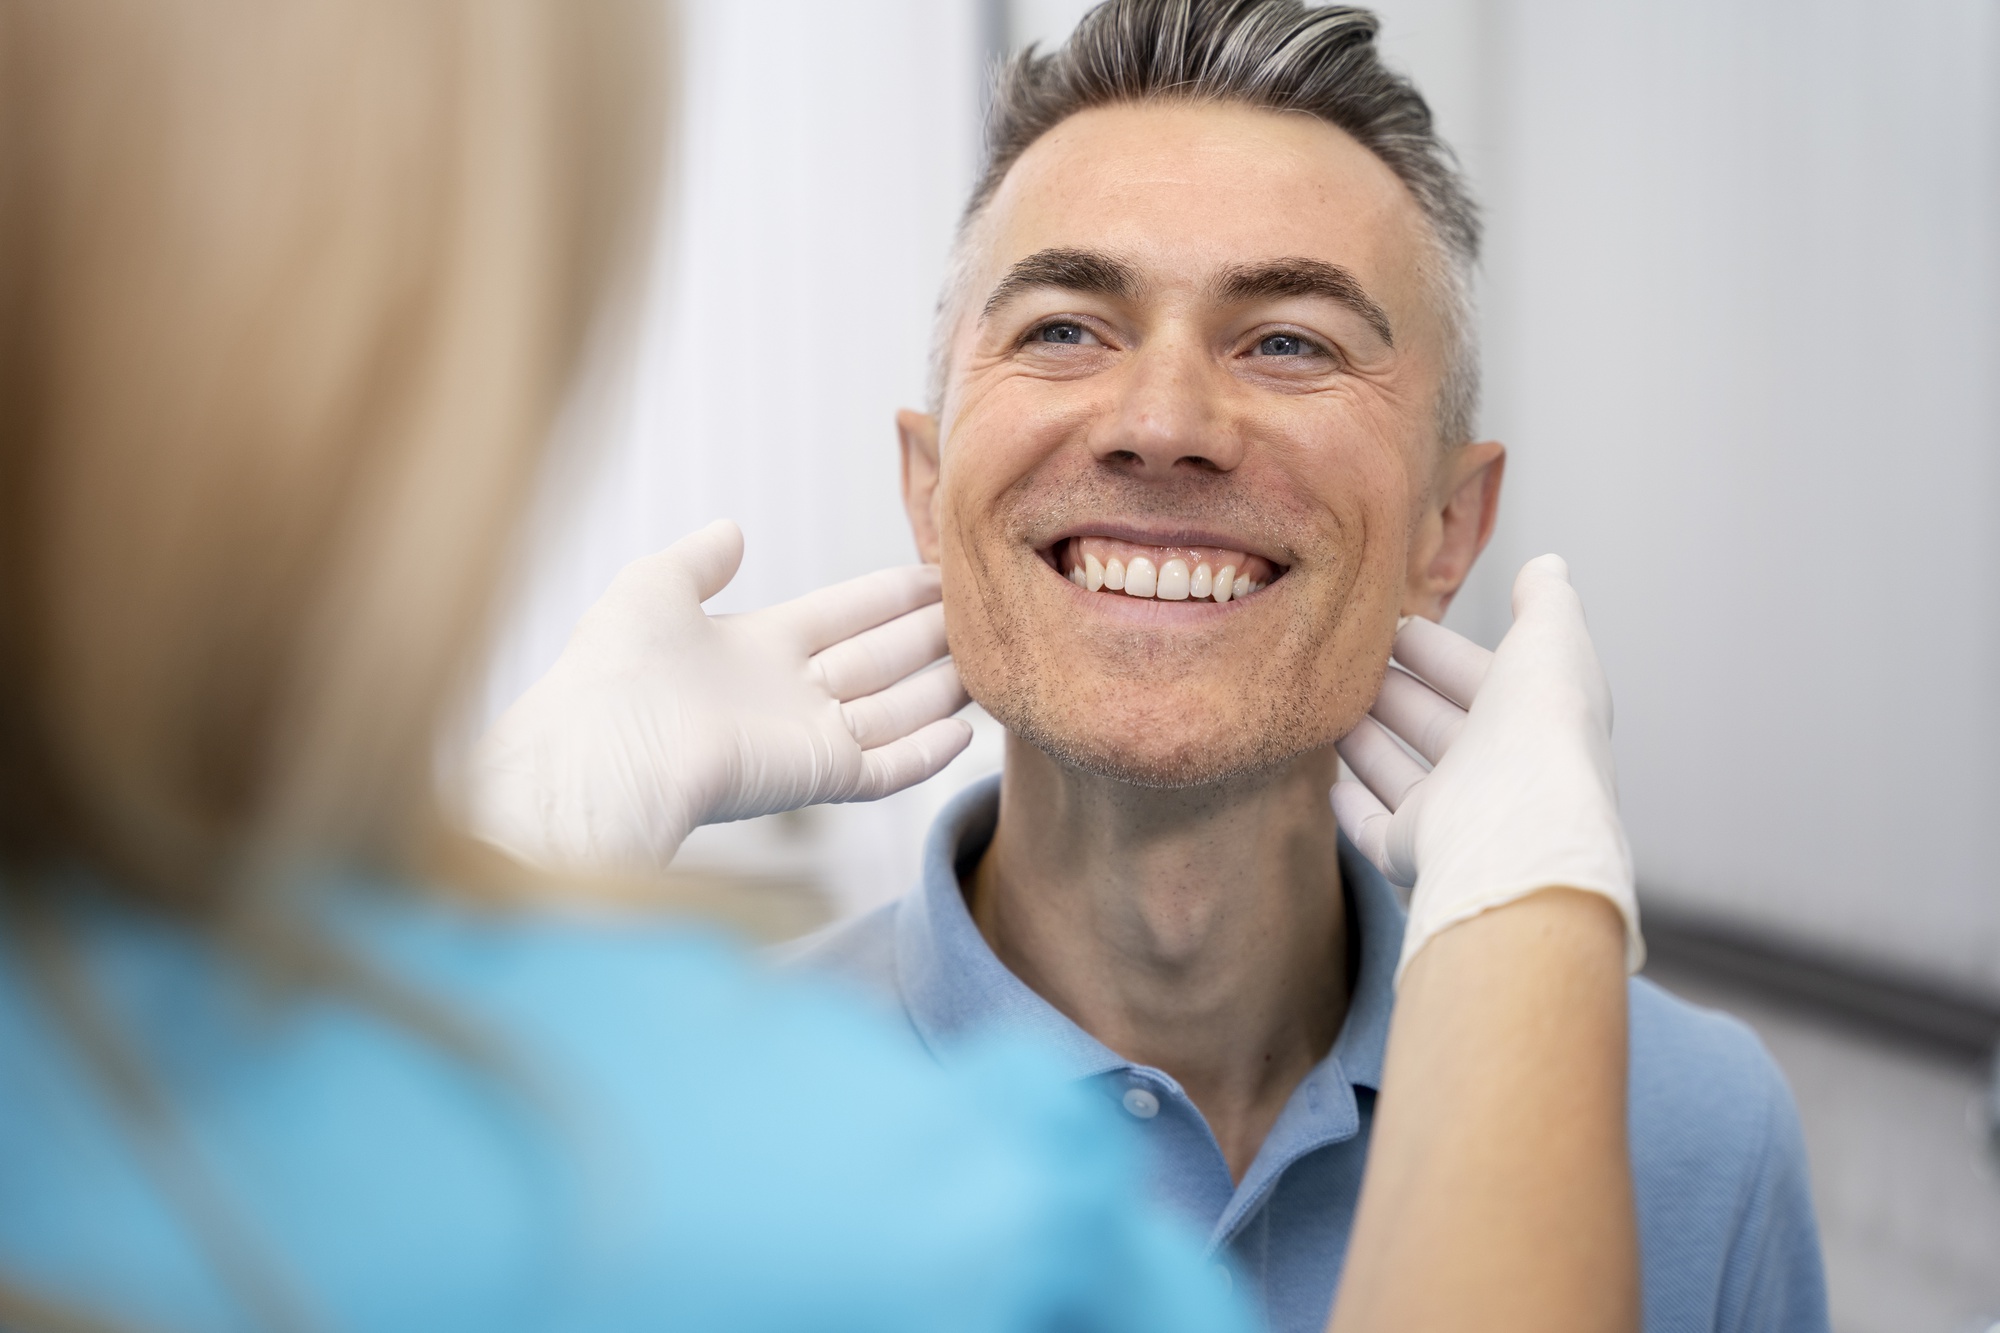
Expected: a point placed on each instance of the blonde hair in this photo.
(289, 296)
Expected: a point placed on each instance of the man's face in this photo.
(1199, 359)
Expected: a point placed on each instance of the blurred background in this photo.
(1741, 315)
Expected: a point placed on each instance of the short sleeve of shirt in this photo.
(633, 1128)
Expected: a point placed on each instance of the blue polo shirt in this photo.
(1725, 1215)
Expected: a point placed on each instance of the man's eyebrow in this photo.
(1305, 277)
(1072, 270)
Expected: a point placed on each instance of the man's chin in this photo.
(1164, 758)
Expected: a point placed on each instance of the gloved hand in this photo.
(659, 717)
(1520, 795)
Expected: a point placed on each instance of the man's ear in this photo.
(918, 432)
(1452, 535)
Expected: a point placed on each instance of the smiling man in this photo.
(1202, 433)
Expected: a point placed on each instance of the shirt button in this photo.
(1222, 1276)
(1141, 1103)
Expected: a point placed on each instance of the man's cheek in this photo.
(1362, 607)
(1374, 641)
(976, 643)
(1355, 677)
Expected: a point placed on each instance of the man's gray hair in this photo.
(1277, 54)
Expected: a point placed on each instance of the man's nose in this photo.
(1168, 415)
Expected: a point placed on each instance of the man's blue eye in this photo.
(1283, 344)
(1059, 333)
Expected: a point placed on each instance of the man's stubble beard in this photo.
(1015, 676)
(1191, 766)
(1031, 693)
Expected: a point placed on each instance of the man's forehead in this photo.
(1186, 193)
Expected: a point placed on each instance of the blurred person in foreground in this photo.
(289, 296)
(1202, 433)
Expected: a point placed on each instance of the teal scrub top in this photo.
(646, 1130)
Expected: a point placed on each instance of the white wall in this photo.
(1741, 341)
(1742, 283)
(826, 151)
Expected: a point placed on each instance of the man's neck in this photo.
(1201, 931)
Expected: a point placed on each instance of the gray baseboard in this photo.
(1850, 991)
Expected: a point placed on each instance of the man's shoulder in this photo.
(861, 949)
(1701, 1080)
(1719, 1170)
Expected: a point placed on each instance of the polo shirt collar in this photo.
(953, 984)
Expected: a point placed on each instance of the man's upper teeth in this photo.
(1173, 578)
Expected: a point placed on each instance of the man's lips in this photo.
(1175, 571)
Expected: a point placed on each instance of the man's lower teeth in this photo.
(1171, 582)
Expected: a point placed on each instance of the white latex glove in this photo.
(1520, 795)
(659, 717)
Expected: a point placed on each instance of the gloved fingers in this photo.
(905, 707)
(1449, 663)
(1548, 614)
(1364, 820)
(876, 659)
(1426, 720)
(823, 618)
(906, 762)
(1543, 578)
(1379, 762)
(707, 558)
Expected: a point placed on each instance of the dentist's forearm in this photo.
(1498, 1193)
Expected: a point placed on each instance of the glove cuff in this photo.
(1425, 925)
